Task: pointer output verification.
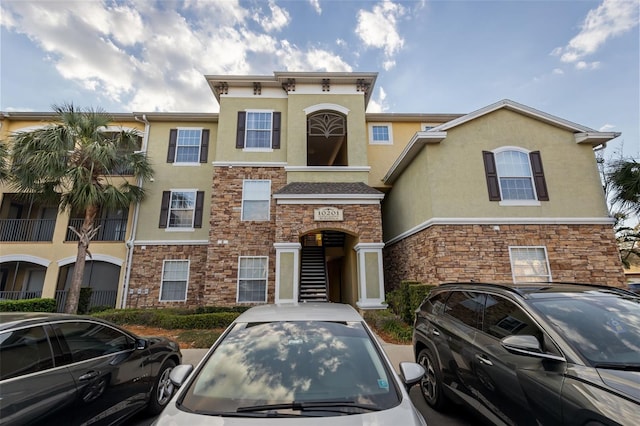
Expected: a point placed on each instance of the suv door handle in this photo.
(90, 375)
(483, 360)
(435, 332)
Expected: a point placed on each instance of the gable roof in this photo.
(582, 134)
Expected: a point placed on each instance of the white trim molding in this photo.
(95, 257)
(25, 258)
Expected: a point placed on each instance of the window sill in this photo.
(194, 164)
(180, 229)
(257, 149)
(520, 203)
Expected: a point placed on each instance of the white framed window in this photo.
(514, 175)
(182, 208)
(258, 129)
(252, 279)
(529, 264)
(256, 199)
(175, 277)
(380, 133)
(188, 145)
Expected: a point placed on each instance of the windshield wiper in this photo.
(618, 366)
(323, 405)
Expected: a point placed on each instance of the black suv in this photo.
(71, 370)
(534, 354)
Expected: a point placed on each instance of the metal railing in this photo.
(98, 298)
(19, 295)
(110, 229)
(27, 229)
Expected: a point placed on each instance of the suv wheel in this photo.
(431, 383)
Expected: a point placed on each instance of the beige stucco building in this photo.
(293, 192)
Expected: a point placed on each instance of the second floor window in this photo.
(188, 145)
(258, 130)
(515, 175)
(256, 196)
(380, 134)
(181, 209)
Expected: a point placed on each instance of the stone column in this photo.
(370, 276)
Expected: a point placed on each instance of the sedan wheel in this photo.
(163, 389)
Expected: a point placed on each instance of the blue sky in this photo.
(579, 60)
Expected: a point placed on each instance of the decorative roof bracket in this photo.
(257, 88)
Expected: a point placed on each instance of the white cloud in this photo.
(607, 128)
(316, 6)
(582, 65)
(558, 71)
(148, 56)
(379, 103)
(378, 28)
(277, 21)
(611, 19)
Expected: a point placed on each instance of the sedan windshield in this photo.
(604, 329)
(307, 368)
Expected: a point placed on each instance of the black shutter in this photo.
(242, 117)
(164, 208)
(492, 176)
(173, 138)
(275, 134)
(204, 146)
(197, 219)
(538, 176)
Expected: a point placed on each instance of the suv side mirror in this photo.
(527, 345)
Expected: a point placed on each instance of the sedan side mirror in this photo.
(180, 373)
(411, 373)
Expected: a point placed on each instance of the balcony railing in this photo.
(19, 295)
(98, 298)
(27, 229)
(110, 229)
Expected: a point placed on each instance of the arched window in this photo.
(327, 139)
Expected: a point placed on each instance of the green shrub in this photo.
(171, 318)
(405, 300)
(28, 305)
(84, 300)
(388, 322)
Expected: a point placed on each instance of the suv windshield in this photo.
(604, 329)
(300, 368)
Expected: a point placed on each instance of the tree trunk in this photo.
(73, 295)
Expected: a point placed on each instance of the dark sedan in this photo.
(68, 369)
(534, 354)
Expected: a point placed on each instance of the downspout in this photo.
(136, 214)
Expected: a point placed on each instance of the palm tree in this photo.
(624, 184)
(77, 164)
(4, 162)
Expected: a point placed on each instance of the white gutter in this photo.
(136, 213)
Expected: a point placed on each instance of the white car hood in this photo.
(404, 414)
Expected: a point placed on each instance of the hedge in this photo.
(405, 300)
(28, 305)
(172, 318)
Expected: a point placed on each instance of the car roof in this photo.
(13, 319)
(541, 289)
(320, 311)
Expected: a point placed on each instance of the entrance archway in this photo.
(328, 268)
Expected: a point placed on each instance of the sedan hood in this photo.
(404, 414)
(626, 382)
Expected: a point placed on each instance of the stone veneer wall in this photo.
(445, 253)
(244, 238)
(146, 274)
(363, 221)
